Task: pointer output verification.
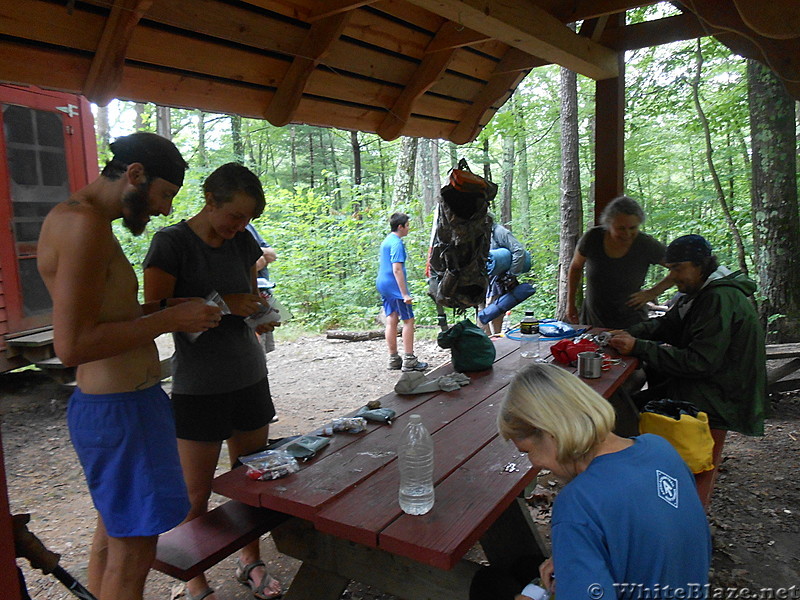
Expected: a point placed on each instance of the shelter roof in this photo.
(433, 68)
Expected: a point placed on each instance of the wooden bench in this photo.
(789, 354)
(193, 547)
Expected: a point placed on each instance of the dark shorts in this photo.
(126, 445)
(214, 417)
(401, 308)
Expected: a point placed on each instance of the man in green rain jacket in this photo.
(708, 349)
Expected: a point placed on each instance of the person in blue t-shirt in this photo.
(629, 522)
(393, 288)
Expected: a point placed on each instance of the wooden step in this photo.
(33, 340)
(193, 547)
(51, 363)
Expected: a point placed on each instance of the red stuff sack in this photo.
(566, 351)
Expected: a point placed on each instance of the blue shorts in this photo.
(129, 453)
(401, 308)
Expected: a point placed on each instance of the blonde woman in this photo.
(629, 514)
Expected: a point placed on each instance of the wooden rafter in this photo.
(321, 36)
(330, 8)
(581, 10)
(594, 28)
(514, 65)
(531, 29)
(780, 55)
(429, 71)
(681, 27)
(778, 19)
(105, 72)
(453, 35)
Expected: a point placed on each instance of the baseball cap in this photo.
(159, 156)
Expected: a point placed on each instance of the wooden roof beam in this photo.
(581, 10)
(777, 19)
(531, 29)
(429, 71)
(513, 66)
(677, 28)
(453, 35)
(330, 8)
(105, 72)
(315, 47)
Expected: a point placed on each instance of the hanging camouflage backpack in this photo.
(460, 240)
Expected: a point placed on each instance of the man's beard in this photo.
(135, 209)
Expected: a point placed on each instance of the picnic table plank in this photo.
(360, 515)
(782, 351)
(472, 498)
(360, 455)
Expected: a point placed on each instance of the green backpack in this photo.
(470, 348)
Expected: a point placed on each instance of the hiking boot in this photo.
(395, 362)
(412, 363)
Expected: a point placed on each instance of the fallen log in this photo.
(354, 336)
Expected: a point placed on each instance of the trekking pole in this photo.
(27, 545)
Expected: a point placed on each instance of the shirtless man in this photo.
(120, 419)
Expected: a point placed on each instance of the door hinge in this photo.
(70, 110)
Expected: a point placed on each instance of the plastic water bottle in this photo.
(415, 460)
(529, 336)
(506, 322)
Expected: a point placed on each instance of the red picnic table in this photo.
(348, 524)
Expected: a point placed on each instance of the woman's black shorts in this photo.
(214, 417)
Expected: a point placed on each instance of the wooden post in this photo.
(609, 133)
(8, 566)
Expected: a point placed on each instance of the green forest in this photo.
(688, 153)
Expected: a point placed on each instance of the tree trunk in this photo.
(335, 168)
(163, 122)
(437, 176)
(426, 170)
(571, 218)
(404, 172)
(103, 133)
(508, 179)
(776, 224)
(381, 162)
(202, 154)
(734, 228)
(293, 138)
(453, 154)
(523, 215)
(138, 120)
(311, 164)
(356, 146)
(487, 161)
(236, 138)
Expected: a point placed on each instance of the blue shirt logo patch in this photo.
(667, 488)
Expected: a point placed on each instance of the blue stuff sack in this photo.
(554, 329)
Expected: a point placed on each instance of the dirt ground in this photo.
(755, 514)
